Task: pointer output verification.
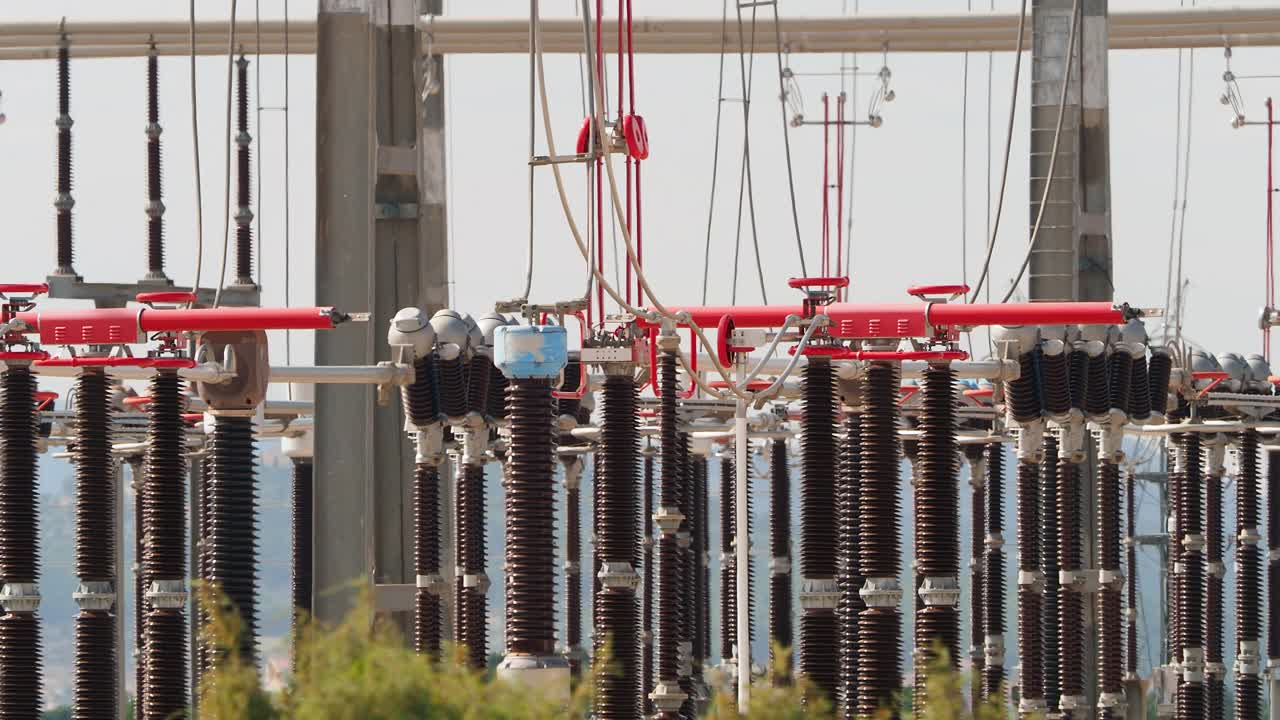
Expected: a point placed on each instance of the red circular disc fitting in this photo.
(171, 296)
(584, 137)
(921, 291)
(45, 395)
(818, 282)
(637, 137)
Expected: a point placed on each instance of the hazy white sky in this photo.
(907, 184)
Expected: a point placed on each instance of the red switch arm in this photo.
(114, 326)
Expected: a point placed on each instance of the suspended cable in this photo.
(715, 152)
(226, 188)
(786, 136)
(288, 188)
(195, 149)
(1053, 158)
(747, 74)
(1177, 175)
(1186, 181)
(1008, 146)
(853, 142)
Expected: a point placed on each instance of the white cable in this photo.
(226, 188)
(195, 148)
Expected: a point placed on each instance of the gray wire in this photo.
(257, 115)
(195, 148)
(715, 152)
(1008, 146)
(853, 143)
(1186, 180)
(226, 190)
(747, 78)
(1053, 157)
(1173, 214)
(786, 137)
(964, 180)
(533, 124)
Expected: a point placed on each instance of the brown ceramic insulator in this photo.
(452, 383)
(471, 627)
(20, 656)
(672, 593)
(201, 658)
(231, 542)
(95, 647)
(164, 539)
(1273, 544)
(1159, 368)
(20, 666)
(1139, 390)
(244, 181)
(530, 519)
(1190, 701)
(572, 378)
(780, 607)
(1023, 395)
(1190, 587)
(426, 557)
(302, 543)
(1119, 375)
(1070, 599)
(819, 644)
(1215, 689)
(155, 192)
(65, 241)
(880, 664)
(1248, 578)
(688, 573)
(419, 397)
(993, 574)
(1050, 520)
(478, 374)
(573, 576)
(1108, 598)
(848, 578)
(166, 648)
(728, 574)
(647, 624)
(937, 521)
(1131, 577)
(1174, 487)
(1097, 394)
(1078, 372)
(617, 513)
(879, 536)
(1031, 633)
(496, 407)
(1055, 383)
(702, 577)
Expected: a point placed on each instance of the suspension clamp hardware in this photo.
(1110, 700)
(1179, 568)
(94, 595)
(780, 565)
(819, 593)
(1077, 580)
(1193, 664)
(1215, 569)
(618, 575)
(20, 597)
(881, 592)
(433, 583)
(1111, 577)
(476, 581)
(1031, 578)
(668, 520)
(667, 698)
(167, 593)
(1193, 542)
(1215, 670)
(994, 541)
(1249, 536)
(943, 591)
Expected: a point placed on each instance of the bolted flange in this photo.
(881, 592)
(20, 597)
(618, 575)
(167, 594)
(94, 595)
(940, 591)
(819, 593)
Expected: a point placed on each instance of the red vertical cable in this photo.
(599, 141)
(1271, 293)
(839, 191)
(618, 126)
(826, 183)
(631, 92)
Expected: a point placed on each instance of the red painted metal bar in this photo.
(115, 326)
(889, 320)
(1270, 270)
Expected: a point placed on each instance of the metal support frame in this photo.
(369, 105)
